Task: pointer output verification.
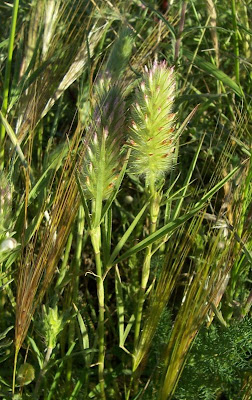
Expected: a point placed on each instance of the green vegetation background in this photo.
(141, 290)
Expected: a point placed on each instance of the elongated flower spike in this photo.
(152, 128)
(104, 157)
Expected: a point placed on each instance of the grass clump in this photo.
(125, 200)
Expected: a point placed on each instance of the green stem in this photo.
(140, 303)
(39, 144)
(236, 43)
(14, 370)
(95, 234)
(75, 283)
(7, 78)
(63, 269)
(154, 212)
(63, 272)
(42, 372)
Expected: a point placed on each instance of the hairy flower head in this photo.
(152, 127)
(103, 158)
(53, 323)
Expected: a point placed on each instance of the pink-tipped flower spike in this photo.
(105, 149)
(152, 128)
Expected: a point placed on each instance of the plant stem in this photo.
(7, 78)
(42, 371)
(154, 212)
(96, 240)
(140, 303)
(236, 43)
(75, 282)
(14, 370)
(63, 269)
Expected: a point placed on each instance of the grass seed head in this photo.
(104, 157)
(152, 128)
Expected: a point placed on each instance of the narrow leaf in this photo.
(13, 139)
(187, 181)
(127, 234)
(186, 121)
(214, 71)
(128, 328)
(4, 333)
(172, 225)
(119, 304)
(83, 200)
(116, 188)
(84, 334)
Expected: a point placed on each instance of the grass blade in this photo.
(171, 226)
(120, 305)
(125, 237)
(214, 71)
(13, 139)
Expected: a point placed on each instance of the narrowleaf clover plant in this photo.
(152, 138)
(100, 172)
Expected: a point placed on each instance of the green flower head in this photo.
(104, 156)
(152, 134)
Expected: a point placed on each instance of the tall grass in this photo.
(125, 199)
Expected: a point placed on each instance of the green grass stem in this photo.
(75, 283)
(236, 43)
(7, 78)
(95, 234)
(154, 213)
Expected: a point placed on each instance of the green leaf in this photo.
(59, 372)
(172, 225)
(4, 43)
(245, 148)
(128, 328)
(84, 335)
(187, 181)
(186, 121)
(116, 188)
(159, 14)
(83, 200)
(4, 333)
(214, 71)
(126, 235)
(36, 350)
(13, 139)
(119, 304)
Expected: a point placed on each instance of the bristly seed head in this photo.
(105, 132)
(143, 87)
(104, 155)
(138, 107)
(153, 130)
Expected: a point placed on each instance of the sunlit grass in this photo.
(125, 199)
